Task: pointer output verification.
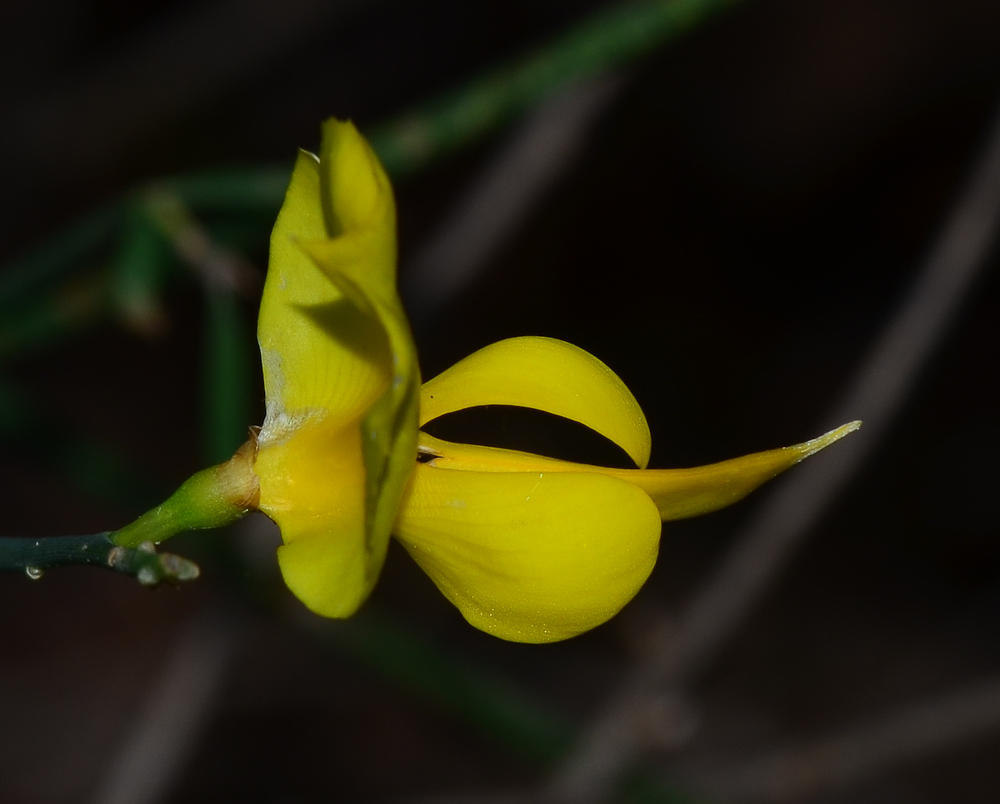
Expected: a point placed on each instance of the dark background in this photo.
(743, 219)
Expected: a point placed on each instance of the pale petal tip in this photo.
(825, 440)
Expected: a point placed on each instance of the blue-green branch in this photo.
(33, 556)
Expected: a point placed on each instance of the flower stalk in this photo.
(211, 498)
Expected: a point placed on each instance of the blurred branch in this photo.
(33, 556)
(218, 268)
(605, 41)
(608, 39)
(480, 797)
(843, 759)
(43, 319)
(447, 681)
(168, 727)
(502, 196)
(66, 250)
(179, 63)
(30, 429)
(874, 394)
(226, 356)
(453, 683)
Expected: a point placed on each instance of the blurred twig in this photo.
(503, 195)
(846, 758)
(32, 430)
(446, 681)
(190, 55)
(607, 40)
(228, 355)
(167, 730)
(874, 394)
(217, 267)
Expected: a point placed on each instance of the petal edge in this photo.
(546, 374)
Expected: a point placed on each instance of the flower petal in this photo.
(683, 493)
(546, 374)
(340, 376)
(313, 486)
(362, 263)
(323, 358)
(530, 557)
(360, 216)
(389, 427)
(677, 493)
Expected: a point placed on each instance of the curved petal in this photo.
(546, 374)
(340, 376)
(677, 493)
(530, 557)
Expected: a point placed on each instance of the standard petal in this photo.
(356, 191)
(530, 557)
(546, 374)
(340, 370)
(361, 261)
(677, 493)
(323, 357)
(358, 251)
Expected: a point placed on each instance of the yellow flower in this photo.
(528, 548)
(535, 549)
(340, 376)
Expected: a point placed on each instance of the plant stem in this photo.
(210, 498)
(33, 556)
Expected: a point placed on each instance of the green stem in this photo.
(211, 498)
(33, 556)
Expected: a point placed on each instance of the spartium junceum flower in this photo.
(528, 548)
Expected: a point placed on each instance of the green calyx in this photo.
(210, 498)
